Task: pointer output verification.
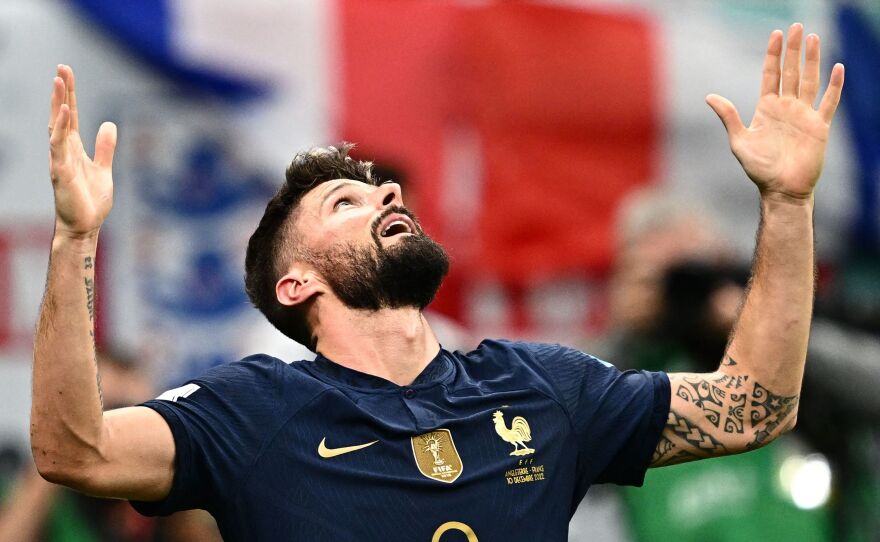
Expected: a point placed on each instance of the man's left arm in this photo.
(753, 396)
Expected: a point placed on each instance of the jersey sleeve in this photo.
(218, 422)
(617, 416)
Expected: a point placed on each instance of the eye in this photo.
(341, 202)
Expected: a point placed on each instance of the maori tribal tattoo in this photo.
(718, 414)
(770, 408)
(693, 435)
(664, 447)
(718, 399)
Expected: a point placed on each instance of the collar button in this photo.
(409, 393)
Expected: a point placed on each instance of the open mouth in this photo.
(396, 224)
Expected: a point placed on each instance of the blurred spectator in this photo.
(657, 232)
(674, 299)
(35, 510)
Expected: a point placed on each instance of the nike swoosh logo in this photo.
(327, 453)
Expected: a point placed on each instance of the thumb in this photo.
(726, 111)
(105, 144)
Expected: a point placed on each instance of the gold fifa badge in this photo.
(436, 456)
(518, 434)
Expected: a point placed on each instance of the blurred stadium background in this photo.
(562, 152)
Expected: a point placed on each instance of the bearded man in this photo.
(386, 436)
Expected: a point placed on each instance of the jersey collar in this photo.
(438, 370)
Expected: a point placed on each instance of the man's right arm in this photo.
(126, 453)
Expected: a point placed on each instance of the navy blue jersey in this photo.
(500, 443)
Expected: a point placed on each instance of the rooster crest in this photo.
(518, 434)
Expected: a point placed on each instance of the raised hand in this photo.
(83, 187)
(783, 149)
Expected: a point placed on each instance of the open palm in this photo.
(783, 149)
(83, 187)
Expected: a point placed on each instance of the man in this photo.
(396, 439)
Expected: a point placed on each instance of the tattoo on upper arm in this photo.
(667, 453)
(717, 399)
(734, 405)
(693, 435)
(663, 447)
(769, 407)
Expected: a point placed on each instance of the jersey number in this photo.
(456, 526)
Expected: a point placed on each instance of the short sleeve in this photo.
(218, 422)
(618, 416)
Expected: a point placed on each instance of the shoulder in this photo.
(532, 353)
(258, 371)
(565, 373)
(259, 381)
(534, 364)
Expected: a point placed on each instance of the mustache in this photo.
(398, 209)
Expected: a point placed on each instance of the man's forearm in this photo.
(769, 344)
(66, 412)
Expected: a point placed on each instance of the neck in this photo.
(394, 344)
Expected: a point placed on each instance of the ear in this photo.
(297, 287)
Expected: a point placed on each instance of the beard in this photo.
(406, 274)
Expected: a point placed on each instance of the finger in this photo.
(105, 145)
(728, 114)
(770, 79)
(791, 65)
(810, 77)
(832, 94)
(70, 82)
(56, 100)
(58, 141)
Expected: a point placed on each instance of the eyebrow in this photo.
(337, 188)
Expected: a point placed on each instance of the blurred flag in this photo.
(520, 125)
(152, 30)
(860, 48)
(524, 125)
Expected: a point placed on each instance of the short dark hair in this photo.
(273, 245)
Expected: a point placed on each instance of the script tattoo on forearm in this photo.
(90, 298)
(743, 413)
(88, 264)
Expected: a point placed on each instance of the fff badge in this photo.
(436, 456)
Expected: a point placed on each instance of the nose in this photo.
(389, 194)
